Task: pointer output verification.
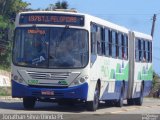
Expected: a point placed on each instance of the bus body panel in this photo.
(112, 73)
(77, 92)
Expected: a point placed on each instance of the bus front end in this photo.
(50, 59)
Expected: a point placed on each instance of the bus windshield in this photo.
(50, 47)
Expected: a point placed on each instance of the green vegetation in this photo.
(58, 5)
(156, 81)
(5, 91)
(155, 85)
(8, 11)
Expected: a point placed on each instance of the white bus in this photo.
(68, 57)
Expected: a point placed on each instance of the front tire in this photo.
(93, 105)
(130, 101)
(109, 103)
(29, 103)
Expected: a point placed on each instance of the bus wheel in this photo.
(139, 100)
(93, 105)
(109, 103)
(130, 101)
(29, 103)
(119, 103)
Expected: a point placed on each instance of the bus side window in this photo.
(120, 37)
(126, 45)
(99, 39)
(110, 43)
(107, 32)
(136, 50)
(102, 41)
(117, 46)
(150, 52)
(93, 38)
(146, 50)
(139, 49)
(96, 39)
(113, 34)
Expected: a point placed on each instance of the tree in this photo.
(51, 7)
(58, 5)
(155, 85)
(156, 80)
(9, 8)
(8, 11)
(61, 5)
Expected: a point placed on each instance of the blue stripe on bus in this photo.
(147, 89)
(116, 94)
(77, 92)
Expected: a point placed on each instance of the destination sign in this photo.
(54, 19)
(42, 32)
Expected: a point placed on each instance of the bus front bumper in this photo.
(77, 92)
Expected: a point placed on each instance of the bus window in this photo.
(33, 50)
(150, 51)
(120, 37)
(136, 50)
(99, 38)
(113, 44)
(117, 46)
(93, 38)
(96, 39)
(125, 47)
(107, 42)
(110, 44)
(140, 50)
(103, 41)
(146, 50)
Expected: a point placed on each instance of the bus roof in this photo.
(90, 18)
(99, 21)
(107, 24)
(142, 35)
(27, 12)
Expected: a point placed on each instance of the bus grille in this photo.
(49, 76)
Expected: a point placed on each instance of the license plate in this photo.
(47, 92)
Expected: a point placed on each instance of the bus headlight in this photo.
(18, 79)
(79, 80)
(15, 77)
